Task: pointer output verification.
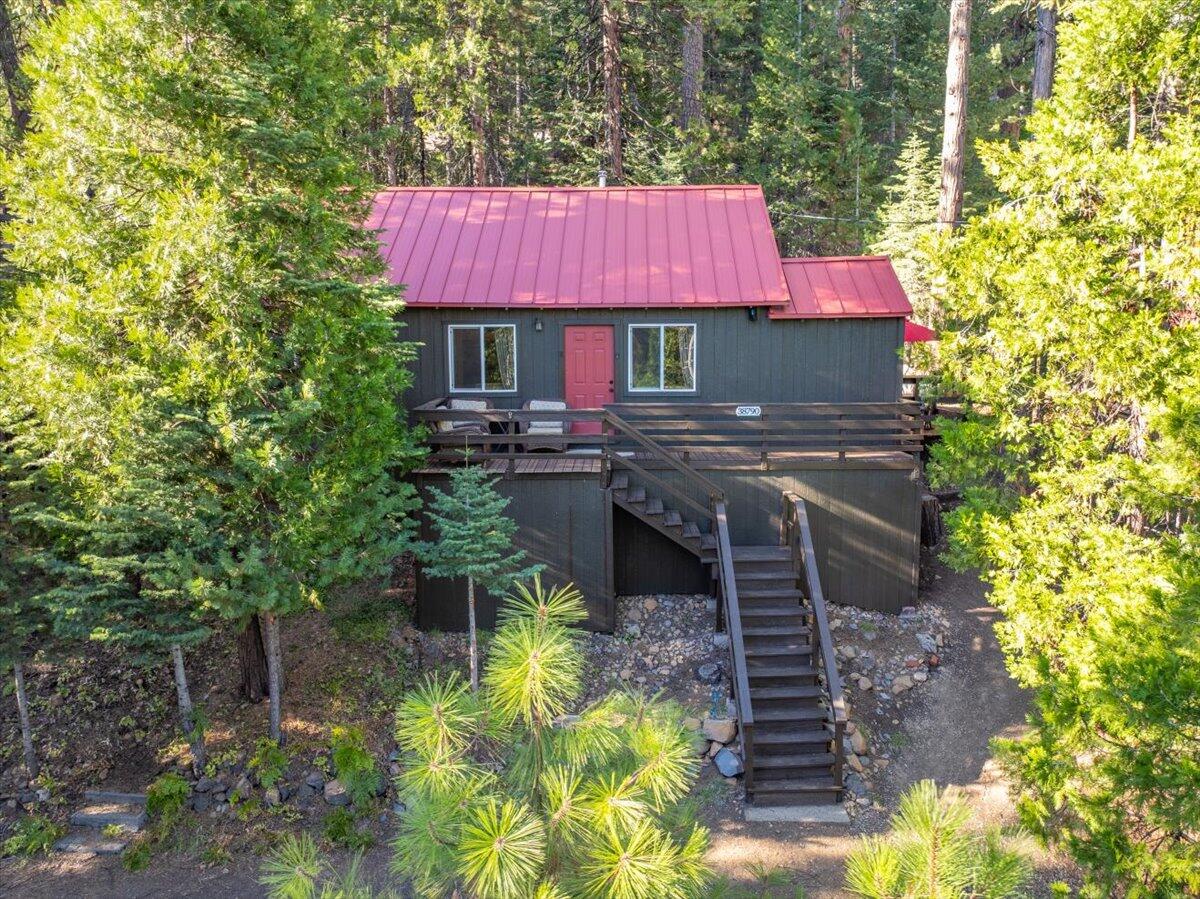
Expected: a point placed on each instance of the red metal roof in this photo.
(581, 247)
(914, 333)
(842, 287)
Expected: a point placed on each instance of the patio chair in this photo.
(465, 427)
(541, 434)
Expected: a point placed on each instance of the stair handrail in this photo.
(739, 674)
(798, 535)
(662, 453)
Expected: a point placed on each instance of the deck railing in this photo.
(738, 672)
(676, 434)
(797, 534)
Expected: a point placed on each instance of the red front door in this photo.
(589, 370)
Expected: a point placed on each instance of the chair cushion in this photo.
(545, 427)
(466, 406)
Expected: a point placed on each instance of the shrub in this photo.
(32, 835)
(268, 762)
(354, 764)
(932, 852)
(342, 831)
(508, 796)
(295, 870)
(167, 796)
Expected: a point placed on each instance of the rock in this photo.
(43, 795)
(202, 802)
(272, 797)
(728, 763)
(849, 652)
(908, 613)
(285, 792)
(911, 663)
(699, 744)
(305, 793)
(399, 808)
(864, 683)
(691, 723)
(625, 674)
(709, 673)
(854, 762)
(858, 742)
(394, 769)
(650, 604)
(713, 748)
(902, 683)
(206, 785)
(927, 643)
(335, 793)
(835, 624)
(723, 730)
(920, 676)
(244, 788)
(881, 763)
(856, 785)
(315, 779)
(933, 661)
(720, 641)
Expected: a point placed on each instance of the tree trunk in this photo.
(1131, 134)
(954, 136)
(274, 675)
(693, 72)
(471, 638)
(1044, 50)
(194, 734)
(611, 33)
(10, 66)
(391, 174)
(478, 150)
(32, 766)
(845, 33)
(252, 658)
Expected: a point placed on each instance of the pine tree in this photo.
(581, 805)
(930, 851)
(907, 223)
(474, 540)
(189, 214)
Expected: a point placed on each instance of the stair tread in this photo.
(760, 553)
(100, 814)
(654, 506)
(770, 593)
(708, 541)
(794, 760)
(795, 691)
(90, 841)
(776, 630)
(620, 481)
(783, 671)
(786, 736)
(791, 713)
(690, 529)
(636, 494)
(781, 573)
(114, 796)
(801, 785)
(672, 518)
(772, 611)
(753, 652)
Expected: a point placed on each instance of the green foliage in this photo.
(354, 764)
(931, 851)
(341, 830)
(510, 796)
(1072, 314)
(138, 854)
(167, 796)
(268, 762)
(295, 870)
(32, 835)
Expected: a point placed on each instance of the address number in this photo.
(748, 411)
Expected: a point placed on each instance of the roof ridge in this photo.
(431, 188)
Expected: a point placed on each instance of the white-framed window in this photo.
(662, 358)
(483, 358)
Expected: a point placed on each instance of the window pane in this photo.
(466, 374)
(679, 357)
(645, 357)
(499, 358)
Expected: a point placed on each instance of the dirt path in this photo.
(944, 734)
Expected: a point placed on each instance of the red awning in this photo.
(914, 333)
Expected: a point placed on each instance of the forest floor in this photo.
(354, 672)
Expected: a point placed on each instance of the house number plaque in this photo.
(748, 411)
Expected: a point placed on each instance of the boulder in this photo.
(690, 723)
(244, 788)
(202, 802)
(902, 683)
(864, 683)
(728, 763)
(272, 797)
(854, 762)
(709, 673)
(305, 793)
(699, 744)
(206, 784)
(650, 604)
(335, 793)
(315, 779)
(722, 730)
(920, 676)
(858, 742)
(720, 641)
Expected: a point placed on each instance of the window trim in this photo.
(482, 357)
(661, 388)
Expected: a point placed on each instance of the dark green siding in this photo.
(561, 523)
(737, 360)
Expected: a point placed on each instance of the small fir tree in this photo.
(474, 540)
(931, 851)
(509, 796)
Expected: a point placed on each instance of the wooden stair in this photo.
(793, 754)
(653, 511)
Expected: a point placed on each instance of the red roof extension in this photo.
(843, 287)
(581, 247)
(914, 333)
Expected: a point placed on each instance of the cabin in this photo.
(673, 408)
